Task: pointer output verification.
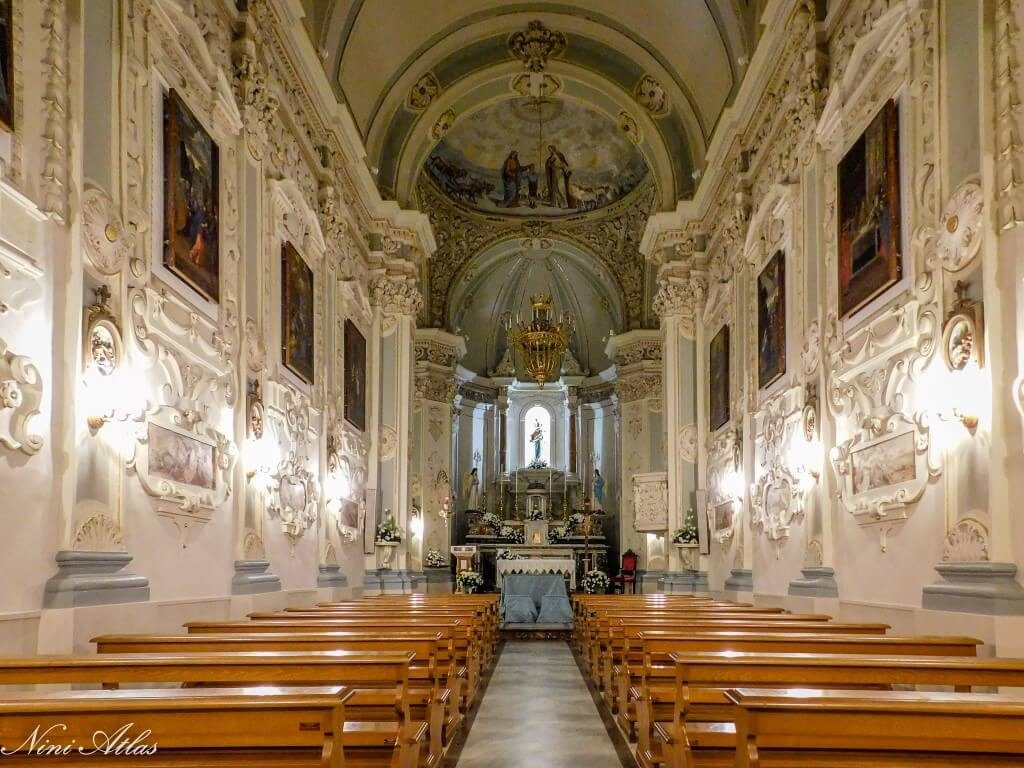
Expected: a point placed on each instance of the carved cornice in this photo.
(396, 295)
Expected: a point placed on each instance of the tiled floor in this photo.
(538, 713)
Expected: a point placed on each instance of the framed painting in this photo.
(724, 514)
(718, 385)
(869, 213)
(771, 320)
(884, 463)
(181, 458)
(191, 204)
(355, 376)
(6, 65)
(297, 299)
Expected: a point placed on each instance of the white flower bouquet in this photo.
(434, 559)
(469, 582)
(595, 582)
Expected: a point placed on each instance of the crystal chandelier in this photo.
(539, 344)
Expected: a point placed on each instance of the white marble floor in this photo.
(538, 713)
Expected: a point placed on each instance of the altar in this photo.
(560, 565)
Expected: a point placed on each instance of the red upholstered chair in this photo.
(627, 573)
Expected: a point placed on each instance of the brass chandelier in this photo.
(539, 344)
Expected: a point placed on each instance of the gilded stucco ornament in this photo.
(957, 238)
(650, 95)
(535, 45)
(423, 92)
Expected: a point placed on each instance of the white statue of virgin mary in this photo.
(471, 484)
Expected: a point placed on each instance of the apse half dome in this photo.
(536, 157)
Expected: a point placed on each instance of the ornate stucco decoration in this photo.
(21, 395)
(688, 443)
(98, 533)
(680, 294)
(423, 92)
(724, 507)
(106, 242)
(650, 502)
(396, 295)
(257, 101)
(639, 387)
(478, 393)
(388, 442)
(597, 393)
(957, 238)
(612, 234)
(295, 497)
(1009, 149)
(967, 542)
(442, 125)
(776, 498)
(528, 84)
(629, 126)
(650, 95)
(535, 45)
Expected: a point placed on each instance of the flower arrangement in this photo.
(537, 464)
(388, 533)
(490, 520)
(434, 559)
(557, 533)
(512, 535)
(595, 582)
(508, 554)
(469, 582)
(574, 523)
(534, 514)
(688, 533)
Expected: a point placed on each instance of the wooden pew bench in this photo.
(227, 727)
(701, 729)
(649, 665)
(881, 729)
(425, 695)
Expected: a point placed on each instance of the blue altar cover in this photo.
(535, 598)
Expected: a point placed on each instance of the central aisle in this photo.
(538, 713)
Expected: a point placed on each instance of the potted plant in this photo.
(387, 538)
(687, 536)
(595, 582)
(468, 582)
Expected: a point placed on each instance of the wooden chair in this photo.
(627, 573)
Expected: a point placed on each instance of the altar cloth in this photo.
(535, 598)
(537, 565)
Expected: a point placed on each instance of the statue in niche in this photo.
(471, 482)
(597, 491)
(537, 441)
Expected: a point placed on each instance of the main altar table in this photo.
(566, 565)
(532, 599)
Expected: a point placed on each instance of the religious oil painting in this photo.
(181, 458)
(718, 373)
(869, 213)
(297, 332)
(349, 514)
(536, 157)
(889, 462)
(6, 66)
(771, 320)
(355, 376)
(191, 189)
(293, 494)
(723, 516)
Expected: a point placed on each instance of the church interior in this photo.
(482, 383)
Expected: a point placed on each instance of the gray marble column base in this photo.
(740, 580)
(93, 578)
(331, 576)
(684, 581)
(817, 581)
(649, 581)
(391, 581)
(988, 588)
(251, 578)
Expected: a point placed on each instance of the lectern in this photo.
(463, 554)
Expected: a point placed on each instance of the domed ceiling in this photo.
(536, 157)
(538, 136)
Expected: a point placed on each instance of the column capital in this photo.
(396, 295)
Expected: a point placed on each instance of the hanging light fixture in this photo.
(540, 343)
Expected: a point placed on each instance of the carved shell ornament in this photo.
(958, 237)
(688, 443)
(388, 442)
(104, 238)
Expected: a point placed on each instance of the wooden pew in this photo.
(429, 700)
(880, 729)
(701, 729)
(226, 727)
(465, 654)
(649, 664)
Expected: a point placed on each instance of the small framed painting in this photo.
(355, 376)
(6, 66)
(718, 385)
(887, 462)
(771, 320)
(181, 458)
(869, 213)
(191, 206)
(297, 298)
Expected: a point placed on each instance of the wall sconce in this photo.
(337, 485)
(962, 351)
(111, 392)
(260, 451)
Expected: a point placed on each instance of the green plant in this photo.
(388, 533)
(688, 533)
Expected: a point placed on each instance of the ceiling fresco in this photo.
(536, 157)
